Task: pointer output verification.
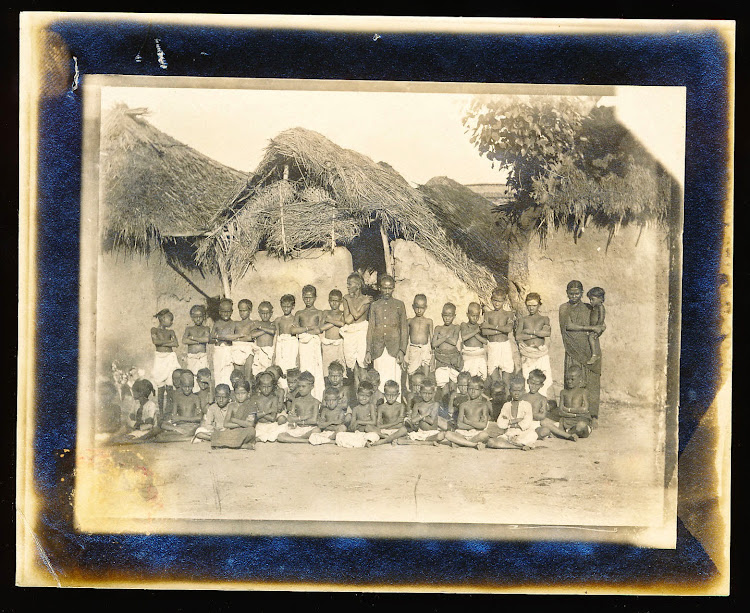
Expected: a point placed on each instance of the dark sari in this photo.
(578, 350)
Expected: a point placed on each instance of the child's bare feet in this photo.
(394, 442)
(525, 448)
(594, 359)
(480, 446)
(573, 437)
(594, 423)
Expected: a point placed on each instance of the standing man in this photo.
(354, 331)
(387, 333)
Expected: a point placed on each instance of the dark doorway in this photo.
(367, 250)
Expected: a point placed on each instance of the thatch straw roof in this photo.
(154, 187)
(327, 196)
(468, 220)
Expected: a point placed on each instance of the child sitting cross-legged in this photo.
(516, 421)
(267, 408)
(331, 419)
(239, 421)
(472, 418)
(543, 425)
(422, 422)
(390, 416)
(362, 427)
(303, 415)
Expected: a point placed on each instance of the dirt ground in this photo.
(613, 478)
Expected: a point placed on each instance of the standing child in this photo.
(422, 422)
(165, 359)
(303, 416)
(330, 419)
(267, 408)
(498, 323)
(516, 421)
(390, 417)
(307, 328)
(474, 350)
(419, 353)
(354, 332)
(472, 419)
(448, 359)
(596, 300)
(196, 338)
(243, 348)
(238, 428)
(532, 341)
(287, 345)
(333, 320)
(264, 336)
(222, 336)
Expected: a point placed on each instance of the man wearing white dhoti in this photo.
(307, 328)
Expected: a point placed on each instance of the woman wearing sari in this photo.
(575, 327)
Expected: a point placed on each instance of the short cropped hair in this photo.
(225, 302)
(597, 292)
(287, 298)
(420, 297)
(244, 384)
(292, 372)
(306, 375)
(223, 386)
(204, 372)
(464, 374)
(264, 374)
(366, 386)
(309, 288)
(142, 387)
(391, 385)
(373, 372)
(335, 293)
(357, 276)
(538, 375)
(533, 296)
(416, 374)
(574, 284)
(331, 391)
(499, 291)
(198, 308)
(387, 278)
(449, 305)
(247, 302)
(164, 312)
(517, 381)
(186, 378)
(236, 375)
(276, 371)
(265, 305)
(336, 366)
(477, 380)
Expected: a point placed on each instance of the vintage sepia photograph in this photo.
(380, 309)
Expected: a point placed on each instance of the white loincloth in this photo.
(475, 361)
(262, 358)
(417, 356)
(536, 358)
(321, 438)
(287, 350)
(389, 370)
(445, 374)
(223, 364)
(333, 351)
(521, 437)
(268, 432)
(196, 362)
(500, 355)
(422, 435)
(311, 360)
(469, 434)
(299, 431)
(165, 363)
(355, 343)
(388, 431)
(241, 350)
(355, 440)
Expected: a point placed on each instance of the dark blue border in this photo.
(698, 61)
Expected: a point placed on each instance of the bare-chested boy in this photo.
(165, 359)
(307, 328)
(473, 344)
(422, 422)
(206, 389)
(410, 396)
(390, 416)
(292, 382)
(222, 336)
(419, 353)
(335, 380)
(472, 419)
(278, 388)
(186, 407)
(575, 417)
(354, 331)
(263, 335)
(267, 408)
(303, 416)
(543, 425)
(331, 323)
(498, 323)
(287, 345)
(532, 334)
(448, 359)
(373, 376)
(196, 338)
(330, 419)
(243, 347)
(516, 421)
(459, 393)
(362, 428)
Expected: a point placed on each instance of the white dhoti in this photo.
(165, 363)
(241, 350)
(521, 437)
(500, 355)
(333, 351)
(355, 343)
(471, 433)
(536, 358)
(355, 440)
(262, 358)
(388, 369)
(269, 432)
(423, 435)
(196, 362)
(445, 374)
(287, 350)
(417, 356)
(311, 360)
(299, 431)
(321, 438)
(475, 361)
(223, 364)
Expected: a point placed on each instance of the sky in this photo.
(419, 134)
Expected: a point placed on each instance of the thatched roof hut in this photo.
(309, 192)
(153, 187)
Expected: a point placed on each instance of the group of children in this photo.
(390, 379)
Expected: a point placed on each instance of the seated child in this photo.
(292, 381)
(574, 404)
(543, 425)
(239, 422)
(143, 422)
(263, 335)
(287, 345)
(419, 353)
(410, 396)
(459, 393)
(234, 379)
(335, 379)
(165, 359)
(596, 300)
(303, 416)
(422, 422)
(390, 416)
(362, 427)
(373, 376)
(331, 323)
(186, 412)
(498, 396)
(472, 419)
(330, 419)
(213, 420)
(206, 389)
(196, 338)
(171, 392)
(243, 347)
(278, 389)
(474, 345)
(447, 357)
(516, 421)
(267, 408)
